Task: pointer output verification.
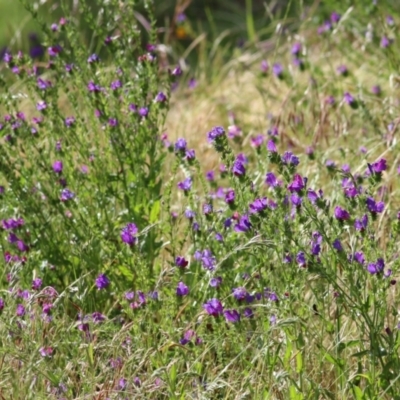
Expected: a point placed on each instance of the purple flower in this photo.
(215, 282)
(257, 141)
(66, 195)
(289, 158)
(69, 121)
(376, 268)
(239, 293)
(190, 154)
(238, 168)
(128, 233)
(215, 132)
(20, 310)
(248, 313)
(207, 209)
(10, 224)
(244, 224)
(359, 257)
(231, 316)
(277, 70)
(41, 105)
(117, 84)
(206, 258)
(373, 206)
(234, 131)
(349, 99)
(98, 317)
(181, 145)
(230, 196)
(376, 90)
(301, 259)
(379, 166)
(182, 289)
(296, 48)
(181, 262)
(296, 200)
(143, 112)
(337, 245)
(341, 214)
(258, 205)
(37, 284)
(385, 42)
(264, 66)
(54, 50)
(185, 185)
(213, 307)
(93, 87)
(270, 180)
(102, 282)
(210, 176)
(297, 185)
(160, 97)
(57, 167)
(271, 147)
(361, 224)
(189, 214)
(187, 337)
(335, 17)
(93, 59)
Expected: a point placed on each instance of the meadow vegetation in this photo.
(191, 210)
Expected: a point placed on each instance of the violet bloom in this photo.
(117, 84)
(277, 70)
(189, 214)
(349, 99)
(207, 209)
(181, 262)
(385, 42)
(215, 282)
(297, 185)
(257, 141)
(98, 317)
(361, 224)
(337, 245)
(238, 168)
(213, 307)
(379, 166)
(37, 284)
(271, 180)
(296, 48)
(128, 234)
(160, 98)
(143, 112)
(376, 90)
(290, 159)
(239, 293)
(244, 224)
(258, 205)
(376, 268)
(10, 224)
(181, 145)
(41, 105)
(264, 66)
(373, 206)
(190, 154)
(185, 185)
(234, 131)
(20, 310)
(301, 259)
(208, 260)
(341, 214)
(230, 196)
(231, 316)
(210, 176)
(69, 121)
(57, 167)
(335, 17)
(359, 257)
(182, 289)
(93, 59)
(66, 195)
(102, 282)
(2, 303)
(215, 132)
(93, 87)
(271, 146)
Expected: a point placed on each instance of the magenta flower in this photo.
(341, 214)
(215, 132)
(379, 166)
(297, 185)
(57, 167)
(231, 316)
(182, 289)
(128, 234)
(181, 262)
(102, 282)
(185, 185)
(213, 307)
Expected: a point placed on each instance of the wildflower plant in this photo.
(135, 269)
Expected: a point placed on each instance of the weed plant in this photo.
(252, 257)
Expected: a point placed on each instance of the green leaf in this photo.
(299, 362)
(155, 212)
(125, 271)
